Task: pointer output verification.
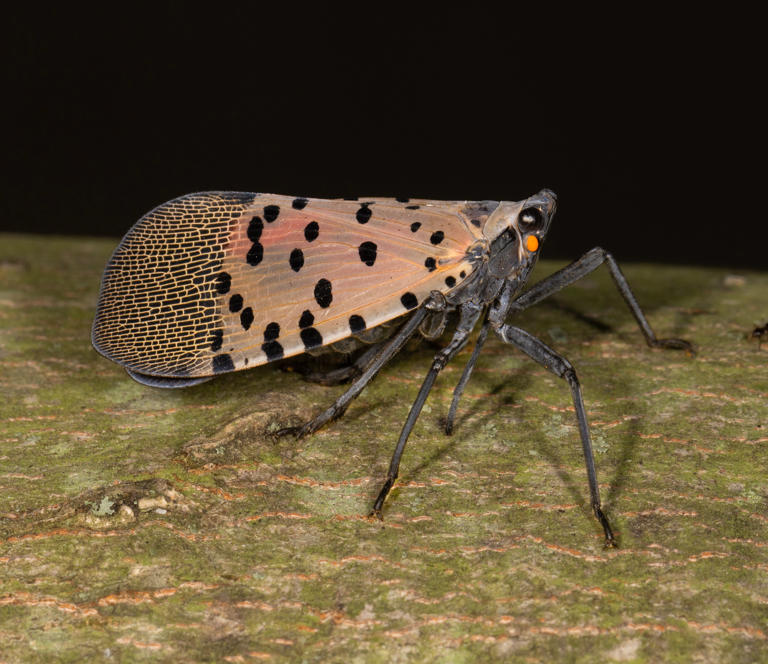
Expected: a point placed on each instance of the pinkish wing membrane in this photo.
(217, 282)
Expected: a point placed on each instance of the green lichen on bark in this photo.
(139, 524)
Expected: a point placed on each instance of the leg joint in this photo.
(441, 359)
(569, 373)
(436, 302)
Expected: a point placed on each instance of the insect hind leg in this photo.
(561, 367)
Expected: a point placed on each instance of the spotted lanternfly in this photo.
(221, 281)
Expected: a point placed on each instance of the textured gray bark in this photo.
(141, 524)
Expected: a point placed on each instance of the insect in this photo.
(222, 281)
(759, 333)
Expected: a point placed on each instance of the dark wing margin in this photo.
(164, 382)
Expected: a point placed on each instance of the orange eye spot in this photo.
(531, 243)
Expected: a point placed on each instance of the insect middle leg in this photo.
(465, 376)
(470, 313)
(346, 373)
(341, 404)
(561, 367)
(494, 317)
(590, 261)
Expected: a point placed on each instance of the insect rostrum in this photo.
(223, 281)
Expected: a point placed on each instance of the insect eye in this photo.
(530, 218)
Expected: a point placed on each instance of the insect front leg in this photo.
(590, 261)
(470, 313)
(561, 367)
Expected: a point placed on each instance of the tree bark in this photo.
(173, 526)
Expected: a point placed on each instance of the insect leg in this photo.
(495, 317)
(561, 367)
(580, 268)
(342, 403)
(470, 313)
(343, 374)
(459, 389)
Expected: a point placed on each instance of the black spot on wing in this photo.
(273, 350)
(271, 212)
(430, 263)
(323, 294)
(416, 225)
(367, 251)
(255, 254)
(235, 303)
(450, 282)
(222, 363)
(311, 338)
(246, 317)
(272, 332)
(296, 260)
(299, 203)
(311, 231)
(356, 323)
(412, 207)
(306, 319)
(223, 282)
(409, 301)
(437, 237)
(363, 215)
(255, 227)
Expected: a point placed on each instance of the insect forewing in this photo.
(223, 281)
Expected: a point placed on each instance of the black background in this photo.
(640, 126)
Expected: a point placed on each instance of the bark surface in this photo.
(139, 524)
